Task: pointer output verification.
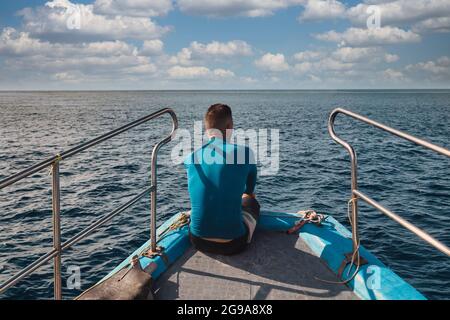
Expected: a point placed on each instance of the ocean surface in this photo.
(314, 172)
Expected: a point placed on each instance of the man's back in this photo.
(218, 174)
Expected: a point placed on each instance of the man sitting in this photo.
(221, 183)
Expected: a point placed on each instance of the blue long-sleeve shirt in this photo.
(218, 174)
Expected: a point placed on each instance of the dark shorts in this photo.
(234, 246)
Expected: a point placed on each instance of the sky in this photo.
(224, 44)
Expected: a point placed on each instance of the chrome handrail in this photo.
(54, 162)
(355, 193)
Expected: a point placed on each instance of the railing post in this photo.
(153, 199)
(56, 208)
(354, 201)
(154, 249)
(354, 180)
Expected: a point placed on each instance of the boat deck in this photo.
(274, 266)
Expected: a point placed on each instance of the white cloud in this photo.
(134, 8)
(322, 9)
(227, 8)
(272, 62)
(303, 67)
(222, 73)
(441, 24)
(65, 76)
(370, 37)
(439, 67)
(308, 55)
(118, 41)
(100, 61)
(152, 47)
(215, 48)
(401, 11)
(393, 12)
(314, 78)
(364, 54)
(182, 58)
(349, 54)
(348, 64)
(389, 58)
(418, 15)
(141, 69)
(65, 61)
(432, 73)
(325, 67)
(179, 72)
(391, 74)
(331, 64)
(15, 43)
(197, 52)
(55, 21)
(249, 80)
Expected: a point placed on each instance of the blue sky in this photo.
(227, 44)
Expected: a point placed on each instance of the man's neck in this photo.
(216, 136)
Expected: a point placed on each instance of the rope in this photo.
(354, 254)
(183, 219)
(312, 216)
(309, 216)
(356, 244)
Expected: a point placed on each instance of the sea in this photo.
(313, 172)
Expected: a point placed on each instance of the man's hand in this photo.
(249, 195)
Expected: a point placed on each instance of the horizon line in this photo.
(206, 90)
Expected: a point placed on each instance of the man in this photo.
(221, 183)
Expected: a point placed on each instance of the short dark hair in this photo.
(218, 117)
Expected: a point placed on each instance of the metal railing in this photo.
(356, 194)
(54, 162)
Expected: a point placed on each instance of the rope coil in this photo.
(309, 216)
(312, 216)
(182, 220)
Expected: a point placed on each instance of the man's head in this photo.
(218, 118)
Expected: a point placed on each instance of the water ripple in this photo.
(314, 173)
